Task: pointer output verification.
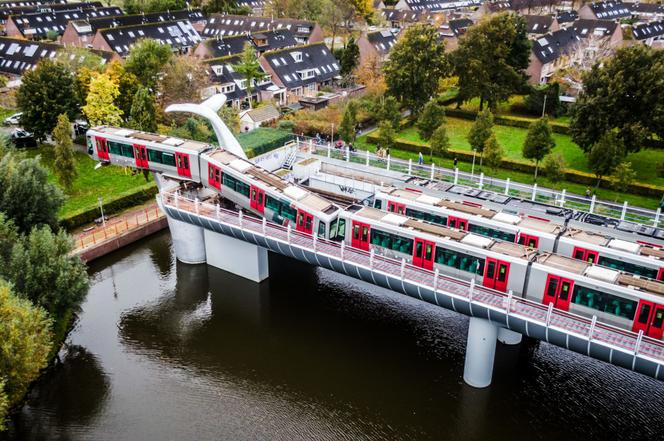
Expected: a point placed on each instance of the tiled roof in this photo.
(551, 46)
(265, 113)
(253, 4)
(596, 28)
(538, 24)
(262, 41)
(20, 8)
(440, 5)
(17, 55)
(222, 72)
(404, 15)
(641, 8)
(178, 34)
(90, 26)
(645, 31)
(225, 25)
(567, 16)
(610, 10)
(382, 41)
(303, 65)
(38, 24)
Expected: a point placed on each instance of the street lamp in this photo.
(472, 169)
(101, 208)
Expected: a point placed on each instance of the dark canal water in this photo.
(166, 351)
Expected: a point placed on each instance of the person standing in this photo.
(420, 160)
(456, 162)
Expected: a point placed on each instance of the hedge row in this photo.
(263, 139)
(119, 202)
(505, 120)
(575, 176)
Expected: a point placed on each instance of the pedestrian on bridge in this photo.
(420, 160)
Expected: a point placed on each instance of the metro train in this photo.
(641, 259)
(579, 286)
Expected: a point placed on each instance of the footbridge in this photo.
(233, 241)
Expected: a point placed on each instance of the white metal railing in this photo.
(560, 198)
(528, 310)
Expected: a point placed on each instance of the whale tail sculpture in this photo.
(208, 109)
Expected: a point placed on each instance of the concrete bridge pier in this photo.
(188, 241)
(509, 337)
(480, 352)
(236, 256)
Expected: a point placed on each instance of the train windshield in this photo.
(338, 230)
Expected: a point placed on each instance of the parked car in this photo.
(80, 127)
(13, 120)
(23, 139)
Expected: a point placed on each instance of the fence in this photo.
(560, 198)
(528, 310)
(116, 227)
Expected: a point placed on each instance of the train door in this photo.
(423, 253)
(558, 291)
(528, 240)
(360, 236)
(182, 164)
(141, 155)
(214, 176)
(585, 255)
(102, 149)
(649, 319)
(257, 200)
(395, 207)
(496, 274)
(458, 223)
(305, 222)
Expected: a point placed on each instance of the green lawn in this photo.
(505, 108)
(511, 139)
(526, 178)
(105, 182)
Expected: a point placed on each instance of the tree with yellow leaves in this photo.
(99, 107)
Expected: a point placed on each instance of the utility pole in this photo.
(544, 105)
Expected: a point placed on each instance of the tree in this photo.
(481, 131)
(492, 58)
(8, 237)
(370, 74)
(26, 196)
(146, 60)
(430, 119)
(388, 110)
(43, 271)
(25, 333)
(350, 57)
(349, 122)
(623, 92)
(45, 93)
(417, 62)
(100, 108)
(231, 118)
(250, 69)
(386, 135)
(142, 113)
(622, 177)
(543, 98)
(606, 154)
(128, 85)
(182, 81)
(493, 153)
(554, 167)
(4, 404)
(334, 13)
(65, 162)
(440, 143)
(539, 142)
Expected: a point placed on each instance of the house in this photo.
(541, 24)
(526, 7)
(552, 52)
(650, 34)
(20, 8)
(81, 32)
(180, 35)
(255, 6)
(304, 31)
(452, 30)
(225, 80)
(19, 55)
(254, 118)
(37, 25)
(646, 11)
(261, 42)
(566, 17)
(608, 10)
(302, 70)
(599, 34)
(400, 18)
(376, 45)
(435, 5)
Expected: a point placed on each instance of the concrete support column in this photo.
(509, 337)
(188, 241)
(236, 256)
(480, 352)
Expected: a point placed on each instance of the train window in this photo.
(378, 204)
(118, 148)
(644, 313)
(464, 262)
(114, 148)
(168, 159)
(321, 229)
(627, 267)
(553, 284)
(356, 231)
(578, 254)
(428, 251)
(502, 271)
(604, 302)
(288, 212)
(391, 241)
(659, 318)
(490, 232)
(433, 218)
(564, 290)
(338, 229)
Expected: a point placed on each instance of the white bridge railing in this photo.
(589, 329)
(560, 198)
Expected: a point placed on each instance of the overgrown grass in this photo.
(90, 184)
(526, 178)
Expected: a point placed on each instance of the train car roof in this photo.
(298, 194)
(587, 236)
(540, 225)
(166, 141)
(564, 263)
